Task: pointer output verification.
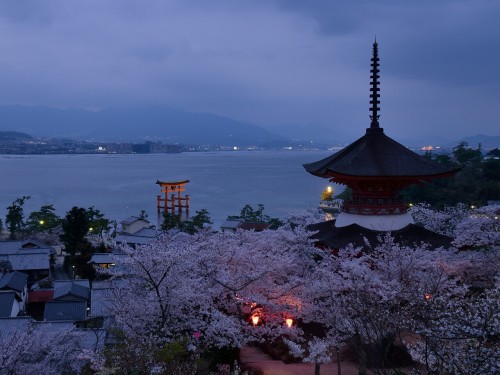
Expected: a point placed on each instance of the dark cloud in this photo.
(268, 62)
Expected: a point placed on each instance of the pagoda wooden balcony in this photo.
(374, 209)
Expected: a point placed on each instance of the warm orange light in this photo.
(289, 322)
(255, 319)
(428, 296)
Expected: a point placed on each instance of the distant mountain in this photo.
(312, 132)
(135, 124)
(14, 136)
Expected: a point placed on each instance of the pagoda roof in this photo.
(328, 235)
(377, 155)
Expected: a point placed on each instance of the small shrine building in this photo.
(376, 168)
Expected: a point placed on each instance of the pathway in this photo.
(255, 358)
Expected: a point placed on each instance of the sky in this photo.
(267, 62)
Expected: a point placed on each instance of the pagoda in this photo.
(376, 168)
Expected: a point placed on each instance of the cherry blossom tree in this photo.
(213, 290)
(32, 348)
(368, 297)
(443, 221)
(460, 336)
(204, 288)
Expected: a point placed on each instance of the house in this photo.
(133, 224)
(135, 231)
(72, 290)
(230, 226)
(71, 301)
(31, 257)
(13, 293)
(106, 260)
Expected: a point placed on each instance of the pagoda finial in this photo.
(374, 90)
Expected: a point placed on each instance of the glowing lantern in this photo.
(255, 319)
(427, 296)
(289, 322)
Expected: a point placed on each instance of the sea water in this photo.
(123, 185)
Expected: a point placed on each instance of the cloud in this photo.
(269, 62)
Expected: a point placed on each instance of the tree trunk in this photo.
(361, 354)
(339, 369)
(317, 366)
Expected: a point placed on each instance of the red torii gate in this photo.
(173, 198)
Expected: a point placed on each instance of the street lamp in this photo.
(255, 319)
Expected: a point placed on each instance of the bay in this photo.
(123, 185)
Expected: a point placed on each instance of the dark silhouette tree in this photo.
(14, 219)
(44, 220)
(198, 221)
(477, 182)
(75, 227)
(250, 215)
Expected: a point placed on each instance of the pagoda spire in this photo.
(374, 90)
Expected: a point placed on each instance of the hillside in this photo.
(7, 136)
(134, 124)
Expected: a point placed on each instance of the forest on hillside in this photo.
(476, 183)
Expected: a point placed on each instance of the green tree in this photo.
(495, 153)
(75, 227)
(44, 220)
(477, 181)
(15, 217)
(98, 223)
(250, 215)
(197, 222)
(465, 155)
(82, 267)
(170, 221)
(192, 226)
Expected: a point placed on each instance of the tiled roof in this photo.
(333, 237)
(230, 224)
(14, 280)
(28, 261)
(71, 290)
(65, 310)
(14, 247)
(130, 220)
(139, 240)
(254, 226)
(146, 232)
